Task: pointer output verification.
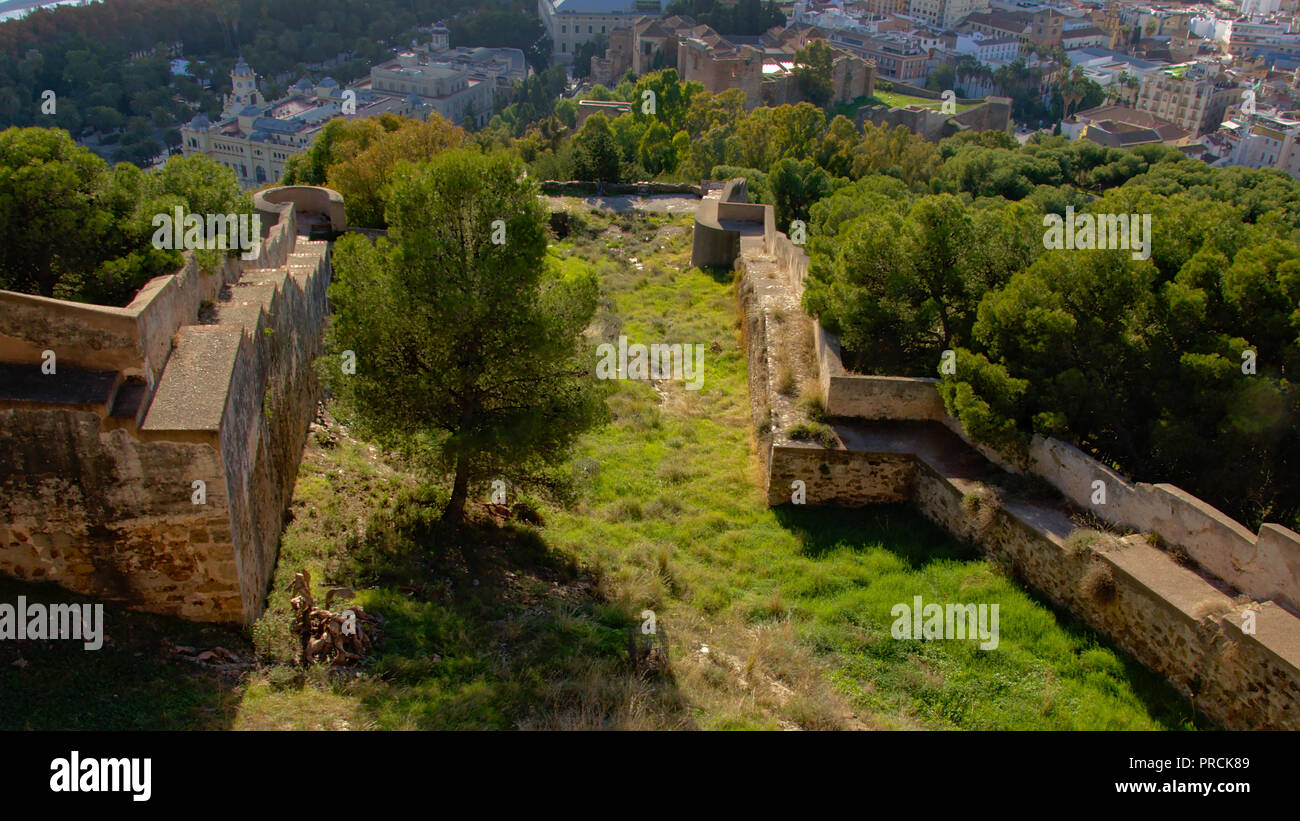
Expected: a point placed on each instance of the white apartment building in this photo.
(1264, 141)
(1262, 8)
(986, 48)
(1247, 38)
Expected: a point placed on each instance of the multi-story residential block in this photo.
(1276, 38)
(989, 49)
(945, 14)
(1193, 95)
(570, 23)
(882, 8)
(896, 55)
(1262, 8)
(1262, 140)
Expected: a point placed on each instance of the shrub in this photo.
(818, 432)
(1098, 584)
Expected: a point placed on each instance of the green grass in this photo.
(674, 515)
(893, 100)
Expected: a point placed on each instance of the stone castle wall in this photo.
(897, 443)
(98, 461)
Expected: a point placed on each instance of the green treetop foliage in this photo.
(745, 17)
(81, 230)
(794, 185)
(358, 158)
(1137, 361)
(671, 98)
(595, 47)
(535, 98)
(596, 154)
(814, 65)
(901, 284)
(468, 345)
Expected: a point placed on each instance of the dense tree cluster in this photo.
(78, 229)
(359, 158)
(744, 17)
(1174, 363)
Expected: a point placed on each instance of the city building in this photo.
(1251, 38)
(1089, 36)
(1193, 95)
(570, 23)
(1123, 127)
(256, 137)
(1261, 140)
(897, 56)
(989, 49)
(944, 14)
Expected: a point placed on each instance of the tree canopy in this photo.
(358, 158)
(1176, 366)
(81, 230)
(468, 343)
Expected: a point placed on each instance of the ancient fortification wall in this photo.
(896, 442)
(99, 460)
(991, 114)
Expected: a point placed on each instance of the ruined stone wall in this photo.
(98, 461)
(1166, 616)
(103, 514)
(1265, 566)
(994, 114)
(712, 243)
(1174, 620)
(838, 477)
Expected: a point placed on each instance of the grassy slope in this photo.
(893, 100)
(793, 605)
(522, 627)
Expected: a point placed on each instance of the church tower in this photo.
(441, 39)
(243, 93)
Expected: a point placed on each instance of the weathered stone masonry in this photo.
(98, 461)
(896, 443)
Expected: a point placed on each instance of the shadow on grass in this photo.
(487, 628)
(721, 274)
(896, 527)
(133, 682)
